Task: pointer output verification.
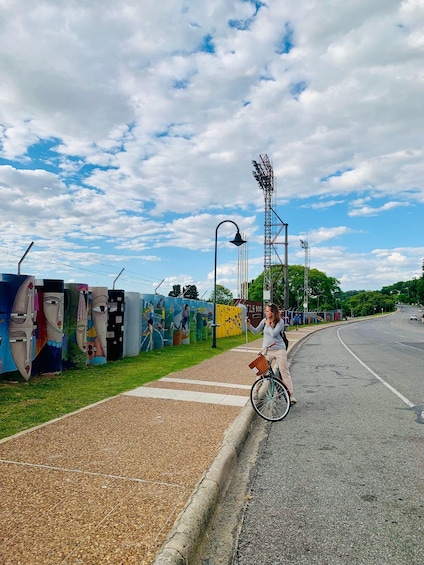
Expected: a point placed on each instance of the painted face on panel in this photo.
(53, 306)
(99, 313)
(21, 327)
(82, 318)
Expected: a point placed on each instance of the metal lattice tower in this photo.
(264, 175)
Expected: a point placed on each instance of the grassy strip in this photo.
(27, 404)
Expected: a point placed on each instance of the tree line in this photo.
(324, 293)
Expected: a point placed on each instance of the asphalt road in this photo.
(341, 480)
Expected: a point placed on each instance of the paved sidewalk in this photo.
(132, 479)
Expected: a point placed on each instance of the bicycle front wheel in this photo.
(270, 398)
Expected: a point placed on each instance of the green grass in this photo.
(27, 404)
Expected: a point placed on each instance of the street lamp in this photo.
(237, 241)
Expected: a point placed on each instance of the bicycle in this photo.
(269, 396)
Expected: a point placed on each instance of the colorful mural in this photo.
(49, 307)
(97, 325)
(152, 323)
(115, 325)
(169, 320)
(177, 338)
(185, 323)
(229, 320)
(75, 321)
(47, 326)
(17, 322)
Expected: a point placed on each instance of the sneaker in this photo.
(292, 400)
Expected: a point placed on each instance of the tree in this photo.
(223, 295)
(324, 291)
(256, 289)
(190, 291)
(369, 302)
(176, 290)
(420, 288)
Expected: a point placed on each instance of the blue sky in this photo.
(128, 130)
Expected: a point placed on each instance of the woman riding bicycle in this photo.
(273, 327)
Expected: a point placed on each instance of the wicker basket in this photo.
(260, 365)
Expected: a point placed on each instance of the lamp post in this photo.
(237, 241)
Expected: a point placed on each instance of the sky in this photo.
(128, 131)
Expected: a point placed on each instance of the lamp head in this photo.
(238, 240)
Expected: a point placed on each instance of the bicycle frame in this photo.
(269, 396)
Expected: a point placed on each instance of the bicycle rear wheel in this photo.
(270, 398)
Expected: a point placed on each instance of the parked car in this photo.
(413, 317)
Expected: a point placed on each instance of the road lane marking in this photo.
(382, 381)
(407, 345)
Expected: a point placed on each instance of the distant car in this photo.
(413, 317)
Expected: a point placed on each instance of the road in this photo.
(341, 480)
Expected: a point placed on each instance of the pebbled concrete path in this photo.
(132, 479)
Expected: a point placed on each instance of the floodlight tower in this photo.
(305, 245)
(264, 175)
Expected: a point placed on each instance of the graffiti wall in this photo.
(47, 326)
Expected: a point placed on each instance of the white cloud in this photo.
(370, 211)
(131, 127)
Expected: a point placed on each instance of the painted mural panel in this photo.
(229, 319)
(75, 321)
(5, 353)
(49, 307)
(177, 337)
(115, 325)
(18, 321)
(207, 313)
(199, 322)
(162, 318)
(193, 321)
(97, 325)
(132, 324)
(169, 320)
(185, 323)
(152, 323)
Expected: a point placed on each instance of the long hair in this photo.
(275, 314)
